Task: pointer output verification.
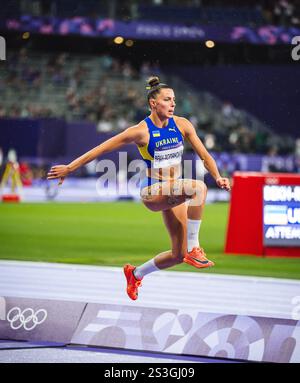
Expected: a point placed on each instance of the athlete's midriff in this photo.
(165, 174)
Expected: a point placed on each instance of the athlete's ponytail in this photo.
(154, 86)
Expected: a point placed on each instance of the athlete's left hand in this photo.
(223, 183)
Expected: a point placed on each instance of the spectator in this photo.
(283, 12)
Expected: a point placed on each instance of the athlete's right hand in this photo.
(223, 183)
(58, 171)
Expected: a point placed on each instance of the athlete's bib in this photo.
(165, 146)
(168, 157)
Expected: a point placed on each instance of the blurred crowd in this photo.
(112, 94)
(283, 12)
(241, 12)
(248, 12)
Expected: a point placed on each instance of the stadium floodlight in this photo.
(118, 40)
(129, 43)
(210, 44)
(26, 35)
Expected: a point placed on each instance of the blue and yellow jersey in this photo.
(165, 146)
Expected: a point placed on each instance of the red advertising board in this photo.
(264, 214)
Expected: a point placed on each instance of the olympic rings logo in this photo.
(272, 181)
(26, 318)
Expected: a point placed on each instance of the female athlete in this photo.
(159, 138)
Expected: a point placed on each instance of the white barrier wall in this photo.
(188, 332)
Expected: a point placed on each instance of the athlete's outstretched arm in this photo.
(129, 135)
(199, 148)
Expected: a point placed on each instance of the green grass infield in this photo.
(111, 234)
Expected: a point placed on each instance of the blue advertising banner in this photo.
(155, 30)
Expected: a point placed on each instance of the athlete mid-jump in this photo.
(159, 138)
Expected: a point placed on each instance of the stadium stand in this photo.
(111, 94)
(247, 13)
